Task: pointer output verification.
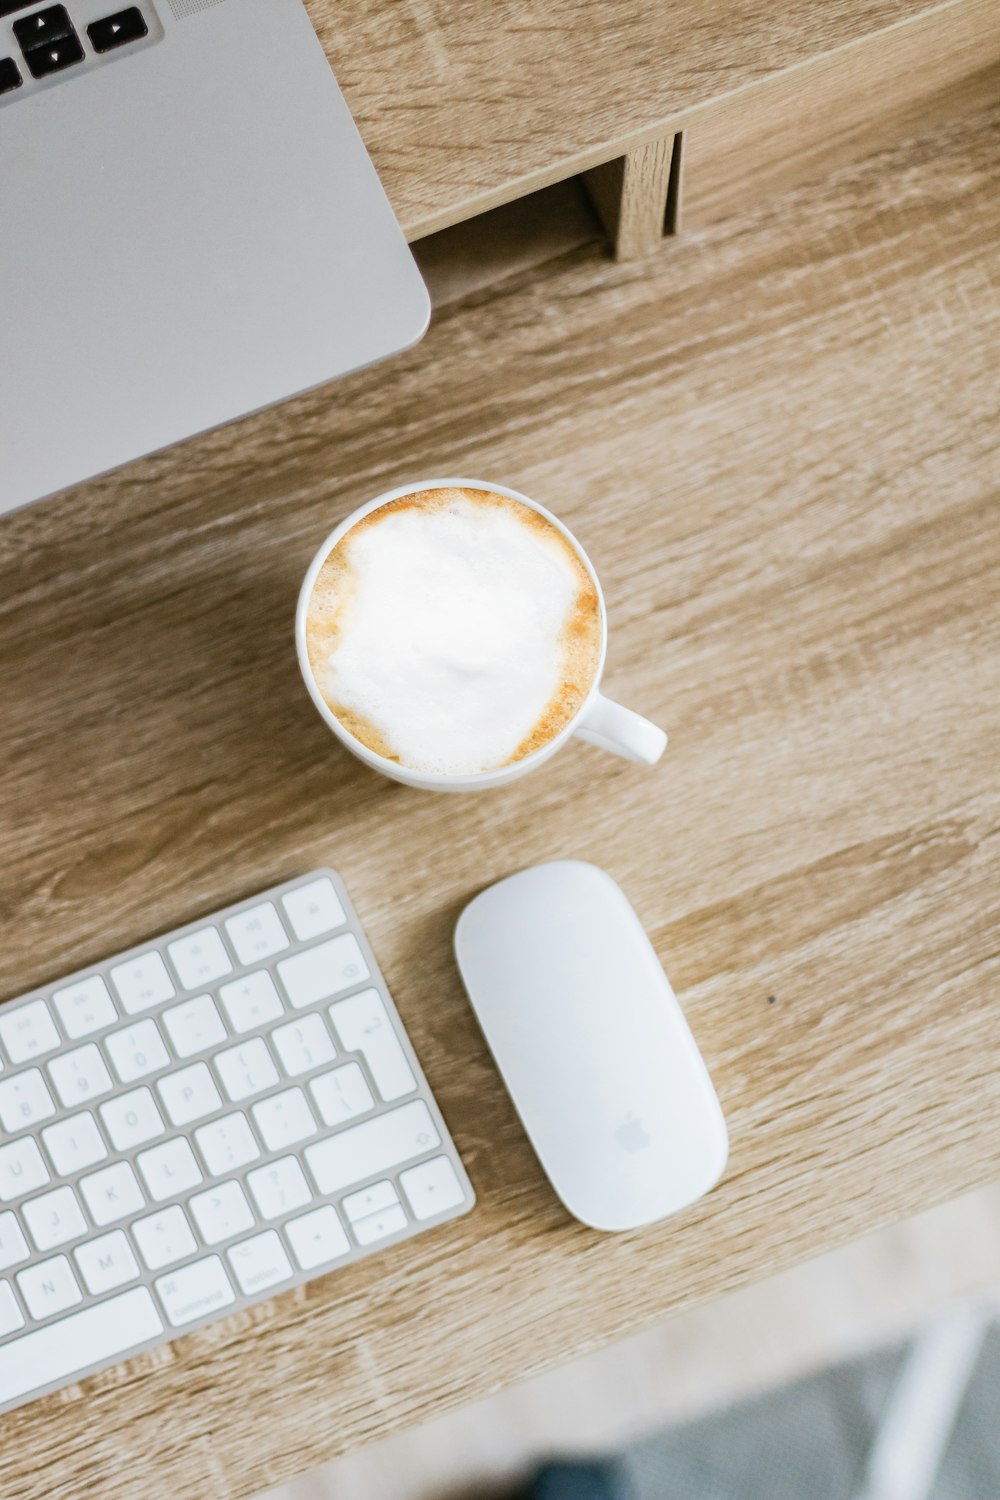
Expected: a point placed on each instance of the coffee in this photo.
(454, 631)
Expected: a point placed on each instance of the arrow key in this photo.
(432, 1188)
(10, 77)
(117, 30)
(53, 56)
(49, 25)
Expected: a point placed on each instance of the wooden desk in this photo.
(779, 443)
(464, 107)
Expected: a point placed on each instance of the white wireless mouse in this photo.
(592, 1044)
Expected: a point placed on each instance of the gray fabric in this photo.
(971, 1466)
(812, 1441)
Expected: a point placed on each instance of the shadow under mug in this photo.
(598, 721)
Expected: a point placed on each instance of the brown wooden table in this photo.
(464, 107)
(778, 438)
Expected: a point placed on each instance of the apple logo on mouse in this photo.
(632, 1135)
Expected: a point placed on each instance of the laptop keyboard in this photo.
(49, 41)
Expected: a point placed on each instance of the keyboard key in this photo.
(284, 1119)
(136, 1051)
(221, 1212)
(194, 1025)
(325, 970)
(303, 1045)
(54, 56)
(189, 1094)
(257, 933)
(21, 1169)
(168, 1169)
(10, 76)
(50, 1287)
(141, 982)
(362, 1024)
(279, 1188)
(78, 1342)
(49, 25)
(226, 1144)
(10, 1314)
(115, 31)
(106, 1263)
(246, 1069)
(341, 1094)
(80, 1075)
(132, 1119)
(164, 1238)
(374, 1146)
(74, 1144)
(195, 1291)
(260, 1262)
(370, 1200)
(250, 1002)
(28, 1032)
(13, 1245)
(54, 1218)
(199, 958)
(24, 1100)
(85, 1007)
(313, 909)
(112, 1193)
(317, 1237)
(432, 1187)
(379, 1226)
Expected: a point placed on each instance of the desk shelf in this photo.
(465, 107)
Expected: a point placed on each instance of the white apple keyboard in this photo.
(200, 1123)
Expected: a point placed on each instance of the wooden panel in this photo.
(630, 194)
(674, 216)
(467, 106)
(780, 445)
(802, 123)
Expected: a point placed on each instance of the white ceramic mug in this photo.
(598, 720)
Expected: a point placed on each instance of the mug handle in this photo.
(609, 726)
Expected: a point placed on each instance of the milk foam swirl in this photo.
(454, 631)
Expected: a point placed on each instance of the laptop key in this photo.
(10, 77)
(49, 25)
(54, 56)
(115, 31)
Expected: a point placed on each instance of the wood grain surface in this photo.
(798, 125)
(630, 195)
(863, 1296)
(466, 106)
(779, 441)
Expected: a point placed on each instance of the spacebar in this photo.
(76, 1343)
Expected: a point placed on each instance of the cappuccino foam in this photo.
(454, 631)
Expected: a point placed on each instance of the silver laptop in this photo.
(190, 229)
